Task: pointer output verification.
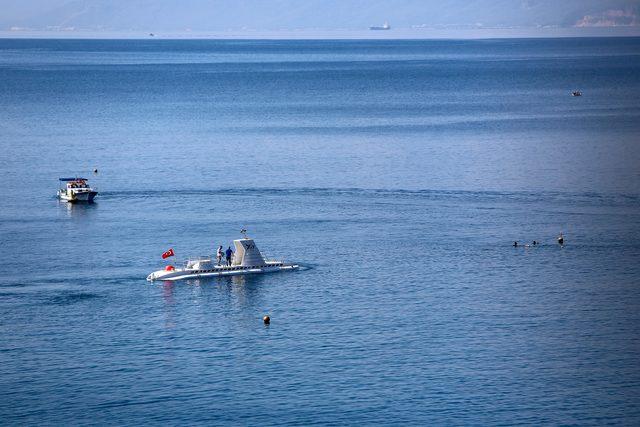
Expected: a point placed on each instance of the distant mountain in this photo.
(212, 15)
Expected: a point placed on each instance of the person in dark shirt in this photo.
(229, 254)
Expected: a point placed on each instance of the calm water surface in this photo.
(399, 173)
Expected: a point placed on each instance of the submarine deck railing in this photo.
(213, 259)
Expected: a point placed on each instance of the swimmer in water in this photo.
(561, 240)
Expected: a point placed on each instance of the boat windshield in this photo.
(77, 184)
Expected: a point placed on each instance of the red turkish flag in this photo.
(168, 254)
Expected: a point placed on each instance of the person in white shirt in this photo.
(219, 255)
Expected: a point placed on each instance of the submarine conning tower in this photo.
(247, 253)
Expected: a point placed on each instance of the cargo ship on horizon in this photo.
(386, 26)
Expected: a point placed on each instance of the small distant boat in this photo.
(76, 190)
(247, 259)
(386, 26)
(576, 93)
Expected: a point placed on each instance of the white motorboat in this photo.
(76, 190)
(247, 259)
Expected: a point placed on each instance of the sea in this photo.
(397, 173)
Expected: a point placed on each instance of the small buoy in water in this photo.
(266, 320)
(95, 171)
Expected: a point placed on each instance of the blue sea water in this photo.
(398, 172)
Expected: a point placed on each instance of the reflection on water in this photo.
(239, 280)
(78, 210)
(231, 294)
(169, 302)
(242, 292)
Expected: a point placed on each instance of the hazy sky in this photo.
(220, 15)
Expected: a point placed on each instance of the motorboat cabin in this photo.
(76, 190)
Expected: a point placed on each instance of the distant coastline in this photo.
(317, 34)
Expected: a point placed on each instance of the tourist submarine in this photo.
(246, 260)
